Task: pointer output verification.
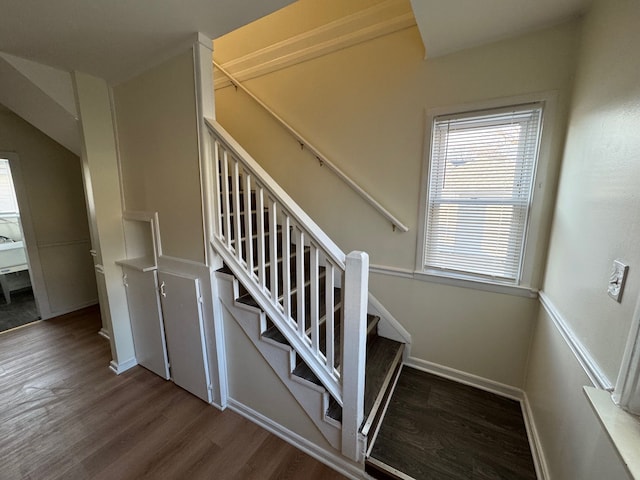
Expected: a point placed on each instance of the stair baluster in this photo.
(257, 229)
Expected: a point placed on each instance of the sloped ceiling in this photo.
(116, 39)
(41, 95)
(453, 25)
(42, 41)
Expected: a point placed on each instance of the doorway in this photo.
(17, 301)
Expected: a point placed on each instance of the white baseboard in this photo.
(466, 378)
(542, 471)
(74, 308)
(104, 333)
(122, 367)
(336, 462)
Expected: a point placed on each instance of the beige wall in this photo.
(573, 442)
(596, 218)
(364, 107)
(254, 384)
(52, 179)
(157, 134)
(596, 221)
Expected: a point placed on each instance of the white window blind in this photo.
(480, 187)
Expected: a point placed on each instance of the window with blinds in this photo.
(480, 190)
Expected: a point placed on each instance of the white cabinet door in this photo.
(181, 307)
(146, 320)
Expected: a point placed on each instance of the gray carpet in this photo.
(20, 311)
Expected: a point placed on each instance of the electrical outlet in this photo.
(616, 280)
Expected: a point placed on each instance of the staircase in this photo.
(300, 300)
(383, 362)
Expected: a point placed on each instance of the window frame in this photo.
(536, 235)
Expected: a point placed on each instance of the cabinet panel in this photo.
(146, 320)
(185, 333)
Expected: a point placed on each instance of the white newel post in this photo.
(356, 290)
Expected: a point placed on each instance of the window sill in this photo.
(474, 284)
(622, 428)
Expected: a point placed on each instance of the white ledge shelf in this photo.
(622, 428)
(142, 264)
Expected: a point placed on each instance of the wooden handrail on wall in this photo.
(324, 161)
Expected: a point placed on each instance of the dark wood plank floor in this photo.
(20, 311)
(439, 429)
(64, 415)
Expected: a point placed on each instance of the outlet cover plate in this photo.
(616, 280)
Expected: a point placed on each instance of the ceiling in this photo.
(115, 39)
(453, 25)
(41, 41)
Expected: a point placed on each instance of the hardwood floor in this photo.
(65, 415)
(438, 429)
(20, 311)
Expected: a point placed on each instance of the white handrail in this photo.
(283, 197)
(319, 156)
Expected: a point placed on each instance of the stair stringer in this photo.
(313, 399)
(388, 326)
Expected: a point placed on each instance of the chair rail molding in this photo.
(588, 363)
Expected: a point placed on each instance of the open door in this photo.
(17, 301)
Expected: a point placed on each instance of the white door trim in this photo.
(33, 255)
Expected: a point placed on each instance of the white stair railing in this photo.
(292, 269)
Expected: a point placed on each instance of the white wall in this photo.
(53, 183)
(364, 107)
(595, 222)
(157, 134)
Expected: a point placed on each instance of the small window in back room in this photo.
(481, 175)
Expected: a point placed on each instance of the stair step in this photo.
(243, 223)
(381, 471)
(246, 298)
(273, 333)
(383, 357)
(302, 370)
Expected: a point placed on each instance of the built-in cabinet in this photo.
(147, 323)
(182, 310)
(165, 310)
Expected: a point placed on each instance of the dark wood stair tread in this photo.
(381, 353)
(302, 370)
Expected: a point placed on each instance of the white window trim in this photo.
(627, 390)
(537, 231)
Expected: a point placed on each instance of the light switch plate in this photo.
(616, 280)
